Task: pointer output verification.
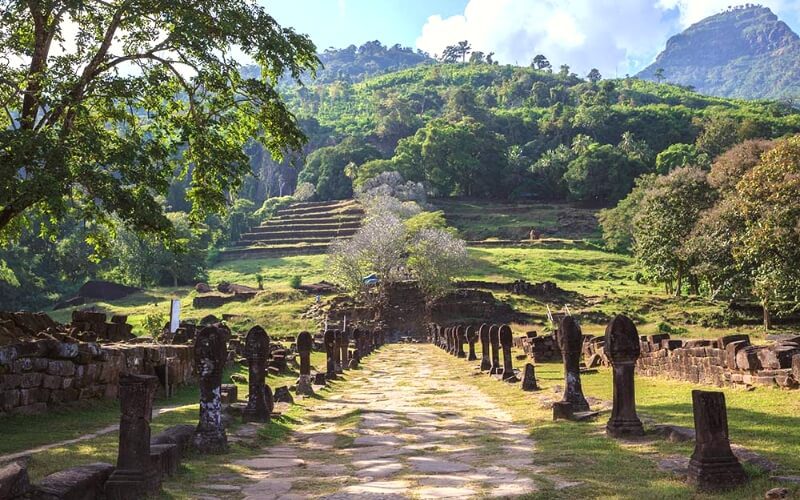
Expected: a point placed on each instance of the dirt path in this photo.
(399, 428)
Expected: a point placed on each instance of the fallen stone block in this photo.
(84, 482)
(14, 480)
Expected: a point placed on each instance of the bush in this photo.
(295, 282)
(305, 191)
(153, 323)
(271, 207)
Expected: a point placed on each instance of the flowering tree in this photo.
(436, 256)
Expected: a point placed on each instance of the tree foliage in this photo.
(105, 115)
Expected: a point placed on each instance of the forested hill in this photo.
(743, 52)
(512, 132)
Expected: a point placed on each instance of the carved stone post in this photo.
(483, 334)
(256, 350)
(506, 339)
(135, 475)
(713, 465)
(472, 336)
(337, 351)
(494, 344)
(345, 348)
(623, 349)
(304, 345)
(330, 347)
(461, 338)
(570, 340)
(529, 378)
(210, 352)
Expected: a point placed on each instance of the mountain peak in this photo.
(742, 52)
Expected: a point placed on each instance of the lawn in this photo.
(766, 421)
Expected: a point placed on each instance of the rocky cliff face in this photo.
(744, 52)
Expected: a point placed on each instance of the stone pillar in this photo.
(345, 347)
(256, 350)
(330, 347)
(529, 378)
(570, 340)
(337, 351)
(506, 339)
(461, 338)
(494, 345)
(472, 336)
(304, 344)
(483, 334)
(622, 348)
(135, 477)
(210, 353)
(713, 465)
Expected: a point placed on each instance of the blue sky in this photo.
(616, 36)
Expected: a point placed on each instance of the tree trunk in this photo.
(679, 282)
(694, 285)
(767, 318)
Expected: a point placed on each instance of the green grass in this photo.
(765, 421)
(480, 220)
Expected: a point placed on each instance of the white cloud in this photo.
(615, 36)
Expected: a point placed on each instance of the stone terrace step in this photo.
(272, 252)
(320, 209)
(288, 240)
(348, 221)
(348, 211)
(304, 234)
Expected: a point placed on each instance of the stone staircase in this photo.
(299, 229)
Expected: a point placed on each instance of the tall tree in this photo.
(594, 75)
(106, 99)
(540, 62)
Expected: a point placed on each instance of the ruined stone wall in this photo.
(539, 348)
(727, 361)
(37, 374)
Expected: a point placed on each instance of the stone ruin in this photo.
(305, 344)
(713, 465)
(44, 364)
(210, 352)
(569, 341)
(622, 346)
(257, 350)
(727, 361)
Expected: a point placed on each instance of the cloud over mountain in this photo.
(615, 36)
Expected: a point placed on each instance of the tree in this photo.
(436, 257)
(453, 53)
(729, 167)
(477, 57)
(104, 116)
(549, 172)
(540, 62)
(594, 75)
(659, 74)
(600, 174)
(667, 213)
(464, 48)
(770, 245)
(718, 135)
(325, 167)
(680, 155)
(617, 222)
(563, 71)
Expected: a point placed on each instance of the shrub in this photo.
(295, 282)
(304, 191)
(153, 323)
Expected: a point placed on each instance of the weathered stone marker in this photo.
(472, 337)
(622, 348)
(494, 345)
(570, 340)
(461, 339)
(713, 465)
(483, 334)
(330, 346)
(135, 476)
(529, 378)
(337, 351)
(356, 359)
(506, 339)
(345, 348)
(256, 350)
(210, 351)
